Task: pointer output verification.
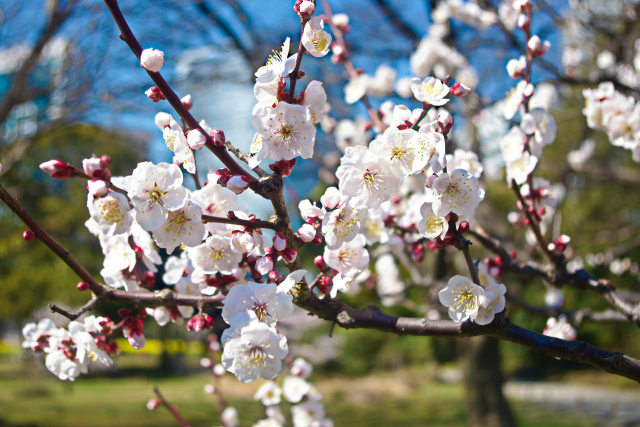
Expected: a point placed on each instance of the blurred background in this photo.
(70, 88)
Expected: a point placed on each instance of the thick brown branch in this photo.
(372, 318)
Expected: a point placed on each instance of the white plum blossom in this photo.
(429, 147)
(290, 284)
(257, 352)
(464, 159)
(430, 90)
(269, 394)
(457, 192)
(117, 252)
(230, 417)
(560, 328)
(295, 388)
(111, 213)
(493, 303)
(314, 39)
(462, 297)
(350, 258)
(540, 124)
(341, 224)
(315, 99)
(367, 177)
(215, 200)
(182, 226)
(301, 368)
(215, 255)
(397, 147)
(430, 224)
(520, 168)
(268, 302)
(175, 268)
(237, 323)
(154, 190)
(176, 141)
(356, 88)
(310, 413)
(280, 63)
(287, 131)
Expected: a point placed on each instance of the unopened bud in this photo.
(537, 47)
(187, 101)
(523, 22)
(445, 122)
(279, 242)
(155, 94)
(209, 389)
(463, 227)
(152, 60)
(317, 240)
(149, 278)
(218, 370)
(307, 8)
(307, 232)
(459, 90)
(517, 67)
(238, 183)
(195, 139)
(28, 235)
(56, 169)
(82, 286)
(152, 404)
(218, 137)
(319, 262)
(92, 167)
(289, 255)
(162, 120)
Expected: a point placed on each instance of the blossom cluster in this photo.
(618, 115)
(69, 351)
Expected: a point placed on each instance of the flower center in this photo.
(177, 222)
(155, 196)
(464, 299)
(260, 309)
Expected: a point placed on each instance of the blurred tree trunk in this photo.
(480, 362)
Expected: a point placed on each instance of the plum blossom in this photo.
(430, 224)
(350, 258)
(314, 39)
(295, 388)
(268, 302)
(463, 297)
(154, 191)
(111, 213)
(560, 328)
(457, 192)
(152, 59)
(215, 255)
(341, 224)
(258, 351)
(430, 90)
(493, 303)
(396, 146)
(280, 63)
(182, 226)
(287, 131)
(269, 394)
(367, 177)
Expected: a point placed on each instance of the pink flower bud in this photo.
(264, 265)
(152, 404)
(523, 22)
(155, 94)
(279, 242)
(307, 232)
(218, 137)
(162, 120)
(92, 167)
(137, 341)
(238, 183)
(218, 370)
(200, 322)
(149, 278)
(82, 286)
(56, 169)
(195, 139)
(152, 60)
(430, 180)
(187, 101)
(516, 67)
(209, 389)
(97, 187)
(307, 9)
(289, 255)
(28, 235)
(205, 362)
(445, 122)
(284, 167)
(319, 262)
(464, 227)
(537, 47)
(459, 90)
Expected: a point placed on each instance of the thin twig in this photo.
(172, 409)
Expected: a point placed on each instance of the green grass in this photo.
(29, 396)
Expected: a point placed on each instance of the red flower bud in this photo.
(28, 235)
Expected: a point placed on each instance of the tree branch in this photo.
(172, 409)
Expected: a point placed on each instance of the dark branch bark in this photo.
(399, 23)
